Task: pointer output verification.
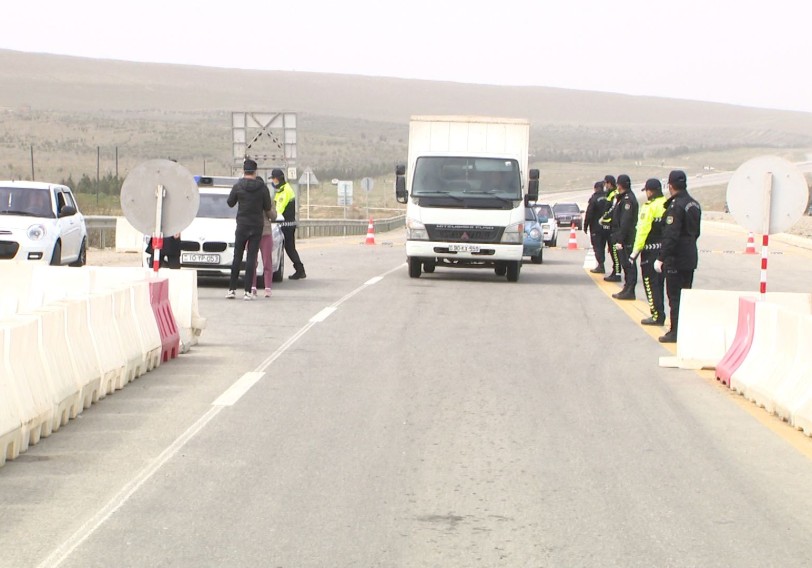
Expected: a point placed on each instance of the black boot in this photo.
(626, 294)
(653, 321)
(612, 278)
(598, 270)
(299, 274)
(670, 337)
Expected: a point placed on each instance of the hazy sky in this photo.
(753, 53)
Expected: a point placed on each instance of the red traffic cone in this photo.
(370, 233)
(573, 242)
(751, 245)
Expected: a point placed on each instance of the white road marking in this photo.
(229, 397)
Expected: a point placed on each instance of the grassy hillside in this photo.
(67, 109)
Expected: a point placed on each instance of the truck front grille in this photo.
(465, 233)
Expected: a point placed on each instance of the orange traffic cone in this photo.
(573, 242)
(370, 233)
(751, 245)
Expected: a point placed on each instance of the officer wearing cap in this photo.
(624, 227)
(595, 209)
(610, 188)
(286, 206)
(647, 244)
(252, 198)
(678, 255)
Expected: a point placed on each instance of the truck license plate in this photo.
(196, 258)
(463, 248)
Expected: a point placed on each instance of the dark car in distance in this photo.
(566, 214)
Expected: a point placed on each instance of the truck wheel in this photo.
(513, 269)
(414, 267)
(429, 266)
(500, 269)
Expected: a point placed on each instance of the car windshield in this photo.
(467, 177)
(214, 206)
(529, 215)
(28, 201)
(566, 208)
(543, 211)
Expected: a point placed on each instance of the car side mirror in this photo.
(532, 186)
(67, 211)
(401, 195)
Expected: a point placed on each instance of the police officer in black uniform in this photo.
(624, 228)
(678, 255)
(595, 209)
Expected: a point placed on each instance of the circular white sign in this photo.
(139, 199)
(367, 183)
(767, 195)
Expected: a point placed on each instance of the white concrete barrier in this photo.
(106, 342)
(80, 348)
(778, 366)
(62, 380)
(794, 392)
(128, 239)
(707, 324)
(125, 328)
(29, 388)
(11, 422)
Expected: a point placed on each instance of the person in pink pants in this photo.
(265, 248)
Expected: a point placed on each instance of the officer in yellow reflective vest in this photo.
(647, 244)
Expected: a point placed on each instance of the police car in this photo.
(207, 244)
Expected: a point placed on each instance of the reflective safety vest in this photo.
(650, 225)
(606, 220)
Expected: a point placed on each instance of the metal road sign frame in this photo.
(250, 132)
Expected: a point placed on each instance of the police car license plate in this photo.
(463, 248)
(197, 258)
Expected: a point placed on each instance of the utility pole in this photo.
(32, 162)
(98, 160)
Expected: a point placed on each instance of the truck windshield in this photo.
(467, 177)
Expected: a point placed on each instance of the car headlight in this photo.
(36, 232)
(535, 233)
(514, 234)
(415, 230)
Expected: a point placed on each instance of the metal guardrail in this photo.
(101, 229)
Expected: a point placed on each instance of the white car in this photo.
(549, 227)
(207, 244)
(41, 222)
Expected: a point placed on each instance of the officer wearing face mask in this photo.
(286, 207)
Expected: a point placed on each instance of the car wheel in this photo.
(56, 257)
(513, 270)
(500, 269)
(538, 259)
(279, 275)
(414, 267)
(82, 260)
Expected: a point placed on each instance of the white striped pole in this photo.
(765, 245)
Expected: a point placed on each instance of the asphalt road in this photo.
(360, 418)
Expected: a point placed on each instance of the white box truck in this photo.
(464, 189)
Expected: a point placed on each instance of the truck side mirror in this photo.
(400, 184)
(533, 186)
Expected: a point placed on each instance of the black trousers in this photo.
(675, 282)
(290, 247)
(629, 267)
(245, 236)
(654, 283)
(598, 239)
(610, 246)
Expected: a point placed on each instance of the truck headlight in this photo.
(415, 230)
(36, 232)
(513, 235)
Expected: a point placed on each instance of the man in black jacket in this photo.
(595, 209)
(253, 198)
(678, 255)
(624, 228)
